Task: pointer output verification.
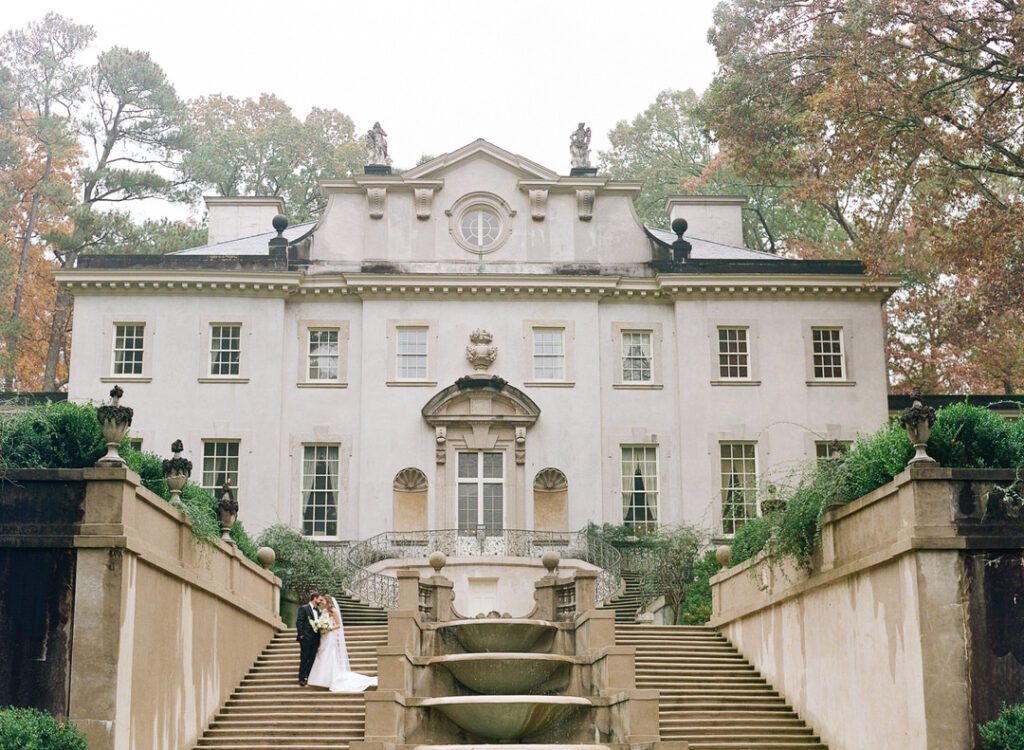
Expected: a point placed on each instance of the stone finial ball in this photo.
(279, 222)
(266, 556)
(551, 560)
(723, 554)
(679, 226)
(437, 561)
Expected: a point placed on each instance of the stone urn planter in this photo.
(177, 470)
(917, 419)
(114, 421)
(227, 511)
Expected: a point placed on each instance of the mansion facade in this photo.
(482, 343)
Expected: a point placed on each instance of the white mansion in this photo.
(480, 341)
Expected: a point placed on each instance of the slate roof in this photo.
(707, 250)
(254, 245)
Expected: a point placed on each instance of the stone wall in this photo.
(907, 630)
(156, 629)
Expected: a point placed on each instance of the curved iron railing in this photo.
(382, 590)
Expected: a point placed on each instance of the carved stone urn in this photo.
(227, 511)
(917, 419)
(114, 421)
(481, 353)
(177, 470)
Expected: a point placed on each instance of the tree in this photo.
(901, 121)
(674, 566)
(247, 147)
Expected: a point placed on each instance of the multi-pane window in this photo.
(640, 486)
(412, 353)
(828, 449)
(225, 348)
(739, 485)
(320, 490)
(636, 356)
(323, 354)
(549, 353)
(733, 353)
(135, 443)
(481, 491)
(220, 464)
(827, 353)
(128, 346)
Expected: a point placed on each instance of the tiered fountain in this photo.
(554, 679)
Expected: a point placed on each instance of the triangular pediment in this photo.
(523, 167)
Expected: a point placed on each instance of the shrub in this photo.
(1005, 732)
(302, 564)
(30, 729)
(750, 539)
(874, 460)
(671, 569)
(968, 437)
(696, 606)
(62, 435)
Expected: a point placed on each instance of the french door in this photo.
(481, 492)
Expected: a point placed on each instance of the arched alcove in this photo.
(550, 500)
(409, 500)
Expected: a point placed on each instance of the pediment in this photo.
(481, 399)
(520, 165)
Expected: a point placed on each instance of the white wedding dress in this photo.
(331, 668)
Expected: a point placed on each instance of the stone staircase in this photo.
(356, 612)
(710, 695)
(269, 709)
(627, 603)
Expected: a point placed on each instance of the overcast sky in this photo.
(436, 73)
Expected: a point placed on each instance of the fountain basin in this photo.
(510, 635)
(498, 673)
(506, 717)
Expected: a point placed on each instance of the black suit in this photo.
(309, 641)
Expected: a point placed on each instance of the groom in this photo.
(309, 639)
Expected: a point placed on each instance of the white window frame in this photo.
(836, 353)
(303, 489)
(654, 330)
(731, 349)
(628, 489)
(305, 331)
(823, 448)
(110, 323)
(220, 327)
(549, 365)
(137, 336)
(748, 486)
(394, 328)
(480, 482)
(845, 328)
(214, 489)
(529, 348)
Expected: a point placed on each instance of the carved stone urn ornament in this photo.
(114, 420)
(481, 353)
(227, 511)
(177, 470)
(917, 419)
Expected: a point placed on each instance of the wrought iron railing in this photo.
(382, 590)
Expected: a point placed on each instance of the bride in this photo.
(331, 668)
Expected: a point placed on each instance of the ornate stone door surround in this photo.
(480, 412)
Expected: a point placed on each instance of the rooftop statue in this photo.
(377, 144)
(579, 146)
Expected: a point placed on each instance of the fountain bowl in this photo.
(498, 673)
(506, 717)
(505, 635)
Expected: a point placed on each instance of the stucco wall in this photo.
(874, 646)
(162, 629)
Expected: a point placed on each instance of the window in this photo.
(481, 491)
(739, 485)
(220, 464)
(480, 228)
(128, 348)
(412, 353)
(733, 353)
(323, 354)
(636, 356)
(549, 353)
(225, 349)
(826, 449)
(827, 353)
(135, 443)
(320, 490)
(640, 486)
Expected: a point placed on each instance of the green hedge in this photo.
(1005, 732)
(302, 564)
(29, 729)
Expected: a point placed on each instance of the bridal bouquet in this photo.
(321, 624)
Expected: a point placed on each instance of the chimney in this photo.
(714, 218)
(241, 216)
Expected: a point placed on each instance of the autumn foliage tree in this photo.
(902, 121)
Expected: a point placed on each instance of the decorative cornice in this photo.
(395, 183)
(664, 288)
(601, 185)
